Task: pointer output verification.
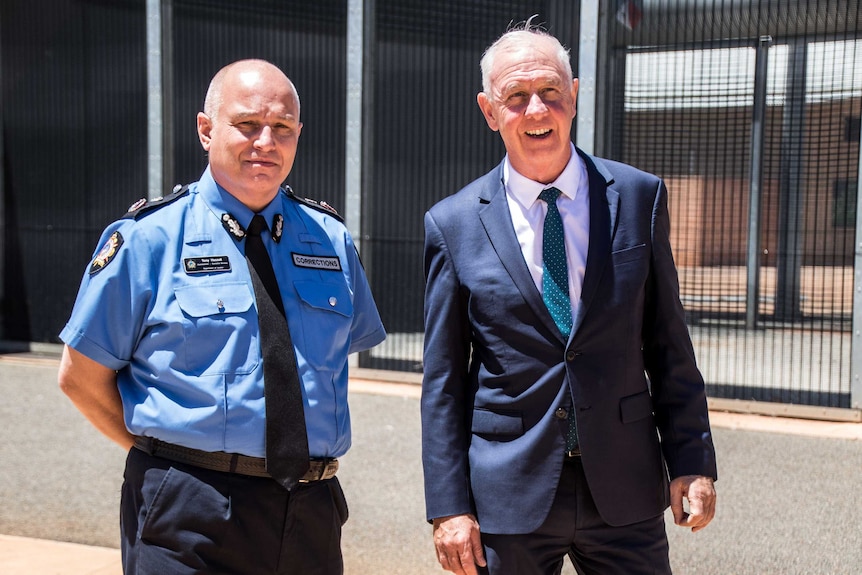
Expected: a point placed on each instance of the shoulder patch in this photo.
(107, 253)
(318, 205)
(144, 205)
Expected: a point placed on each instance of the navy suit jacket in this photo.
(497, 369)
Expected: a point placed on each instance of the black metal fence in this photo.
(750, 111)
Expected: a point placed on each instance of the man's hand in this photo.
(459, 546)
(700, 493)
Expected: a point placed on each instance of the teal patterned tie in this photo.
(555, 283)
(555, 271)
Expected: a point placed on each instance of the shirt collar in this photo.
(526, 191)
(223, 202)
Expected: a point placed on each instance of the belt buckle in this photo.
(576, 452)
(320, 469)
(330, 469)
(311, 474)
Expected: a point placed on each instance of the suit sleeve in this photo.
(679, 396)
(446, 396)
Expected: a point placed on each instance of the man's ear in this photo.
(575, 97)
(205, 127)
(487, 110)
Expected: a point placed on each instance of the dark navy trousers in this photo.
(575, 528)
(184, 520)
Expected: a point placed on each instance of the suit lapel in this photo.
(497, 221)
(604, 203)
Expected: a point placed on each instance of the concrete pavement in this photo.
(787, 489)
(25, 555)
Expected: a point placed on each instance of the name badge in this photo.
(206, 265)
(331, 263)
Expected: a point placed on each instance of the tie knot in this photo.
(257, 225)
(549, 195)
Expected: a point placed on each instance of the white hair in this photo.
(516, 38)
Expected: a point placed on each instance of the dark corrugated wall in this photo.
(430, 138)
(74, 81)
(75, 147)
(305, 39)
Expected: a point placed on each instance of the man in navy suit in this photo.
(546, 434)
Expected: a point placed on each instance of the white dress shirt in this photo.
(528, 216)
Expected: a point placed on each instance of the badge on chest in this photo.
(331, 263)
(206, 265)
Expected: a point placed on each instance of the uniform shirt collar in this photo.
(526, 191)
(221, 201)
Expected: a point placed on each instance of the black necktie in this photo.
(286, 436)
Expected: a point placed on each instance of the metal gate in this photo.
(751, 114)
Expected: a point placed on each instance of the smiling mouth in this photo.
(538, 133)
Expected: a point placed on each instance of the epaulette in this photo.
(318, 205)
(144, 205)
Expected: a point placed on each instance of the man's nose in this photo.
(535, 106)
(264, 138)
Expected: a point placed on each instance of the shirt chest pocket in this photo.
(219, 328)
(326, 313)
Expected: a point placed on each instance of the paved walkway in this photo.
(26, 556)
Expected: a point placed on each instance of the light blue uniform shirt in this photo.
(172, 309)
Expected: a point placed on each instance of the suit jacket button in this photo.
(570, 355)
(561, 413)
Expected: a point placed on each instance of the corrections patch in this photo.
(107, 253)
(330, 263)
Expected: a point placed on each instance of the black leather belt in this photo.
(319, 469)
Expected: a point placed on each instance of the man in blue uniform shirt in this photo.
(165, 350)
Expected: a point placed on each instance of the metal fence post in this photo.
(856, 341)
(358, 141)
(585, 135)
(353, 129)
(755, 184)
(791, 203)
(3, 238)
(155, 153)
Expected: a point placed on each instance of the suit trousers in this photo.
(575, 528)
(182, 519)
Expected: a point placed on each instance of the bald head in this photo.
(250, 130)
(241, 71)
